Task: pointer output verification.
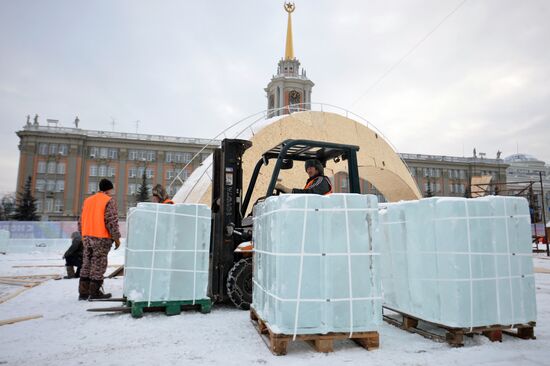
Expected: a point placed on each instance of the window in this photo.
(103, 152)
(51, 167)
(186, 157)
(63, 149)
(437, 173)
(132, 172)
(452, 188)
(462, 174)
(150, 155)
(58, 205)
(184, 174)
(438, 187)
(61, 168)
(111, 171)
(113, 154)
(149, 173)
(412, 171)
(43, 149)
(462, 188)
(131, 188)
(53, 149)
(39, 205)
(170, 174)
(92, 187)
(93, 170)
(41, 167)
(133, 155)
(169, 157)
(49, 204)
(102, 172)
(425, 171)
(94, 153)
(40, 183)
(140, 171)
(60, 186)
(50, 185)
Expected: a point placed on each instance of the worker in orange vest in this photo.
(98, 226)
(160, 195)
(317, 182)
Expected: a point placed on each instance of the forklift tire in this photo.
(239, 284)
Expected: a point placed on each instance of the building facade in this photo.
(66, 165)
(440, 175)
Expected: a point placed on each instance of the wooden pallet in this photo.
(455, 336)
(278, 343)
(169, 307)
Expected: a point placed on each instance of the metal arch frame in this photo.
(262, 115)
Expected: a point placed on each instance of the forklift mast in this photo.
(227, 182)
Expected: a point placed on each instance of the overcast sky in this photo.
(183, 68)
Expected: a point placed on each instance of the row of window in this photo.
(51, 167)
(171, 174)
(436, 187)
(53, 149)
(49, 205)
(102, 171)
(103, 153)
(142, 155)
(49, 185)
(138, 172)
(451, 173)
(178, 157)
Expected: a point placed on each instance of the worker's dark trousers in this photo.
(94, 263)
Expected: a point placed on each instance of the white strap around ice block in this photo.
(509, 265)
(470, 264)
(153, 255)
(195, 252)
(299, 294)
(350, 285)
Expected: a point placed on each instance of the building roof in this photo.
(451, 159)
(119, 135)
(521, 158)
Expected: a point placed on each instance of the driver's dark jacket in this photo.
(319, 184)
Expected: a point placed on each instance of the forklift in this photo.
(230, 275)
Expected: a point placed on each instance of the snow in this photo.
(69, 335)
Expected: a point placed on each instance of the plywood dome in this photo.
(378, 162)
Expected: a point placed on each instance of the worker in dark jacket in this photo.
(317, 182)
(73, 256)
(98, 226)
(160, 195)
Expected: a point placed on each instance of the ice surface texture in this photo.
(459, 262)
(316, 263)
(167, 252)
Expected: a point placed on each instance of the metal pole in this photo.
(544, 215)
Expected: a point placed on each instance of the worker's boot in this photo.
(70, 272)
(83, 288)
(96, 291)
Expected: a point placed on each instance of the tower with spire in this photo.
(290, 89)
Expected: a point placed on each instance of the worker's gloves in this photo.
(117, 243)
(281, 188)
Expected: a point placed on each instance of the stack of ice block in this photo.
(459, 262)
(167, 252)
(316, 266)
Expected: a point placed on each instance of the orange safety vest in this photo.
(168, 201)
(310, 183)
(93, 216)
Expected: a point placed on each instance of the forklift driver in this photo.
(317, 182)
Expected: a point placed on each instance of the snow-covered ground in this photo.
(68, 335)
